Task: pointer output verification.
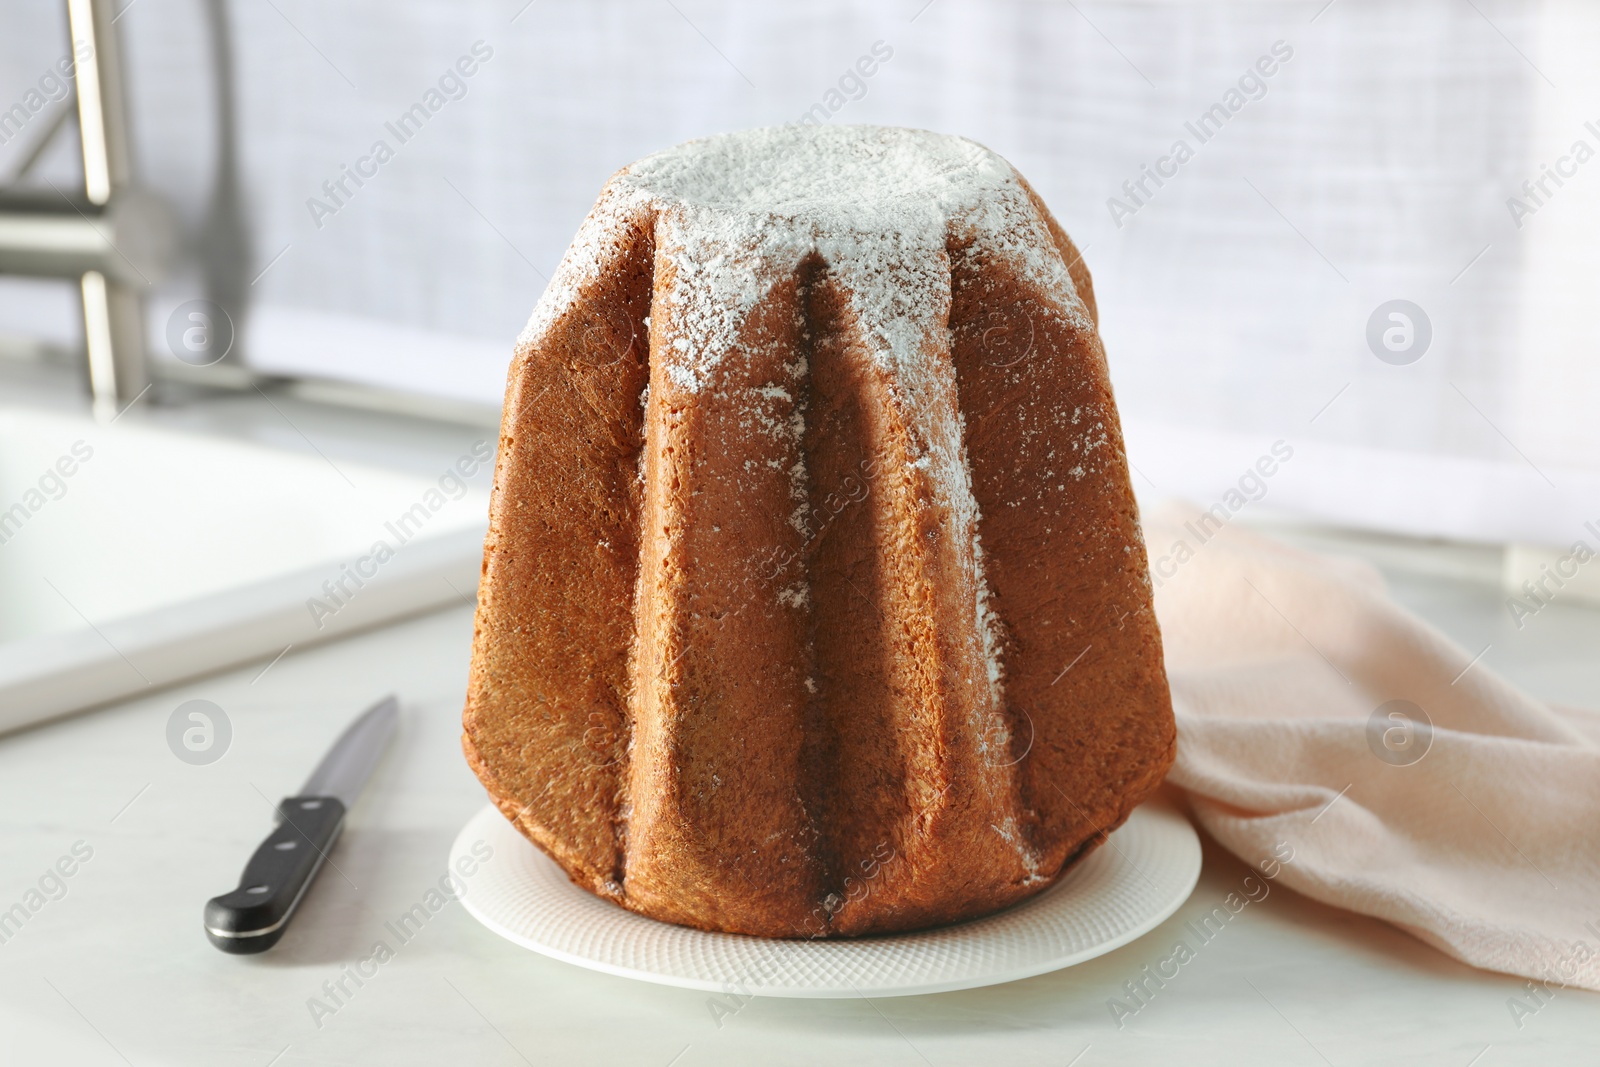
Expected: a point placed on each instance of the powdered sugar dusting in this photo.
(736, 213)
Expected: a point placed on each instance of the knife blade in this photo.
(254, 916)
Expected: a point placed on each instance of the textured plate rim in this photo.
(489, 824)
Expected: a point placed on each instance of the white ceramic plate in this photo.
(1120, 891)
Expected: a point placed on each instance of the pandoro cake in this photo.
(814, 601)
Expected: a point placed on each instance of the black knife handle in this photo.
(254, 916)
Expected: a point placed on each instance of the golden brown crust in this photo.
(738, 678)
(544, 721)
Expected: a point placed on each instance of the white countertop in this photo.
(117, 970)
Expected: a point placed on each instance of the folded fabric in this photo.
(1413, 784)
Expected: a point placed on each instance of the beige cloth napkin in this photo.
(1486, 847)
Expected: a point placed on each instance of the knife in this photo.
(254, 916)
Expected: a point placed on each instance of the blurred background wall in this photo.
(1340, 156)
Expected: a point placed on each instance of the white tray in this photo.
(1122, 890)
(129, 577)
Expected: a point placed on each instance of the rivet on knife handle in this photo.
(254, 916)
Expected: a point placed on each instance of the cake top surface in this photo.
(736, 212)
(867, 177)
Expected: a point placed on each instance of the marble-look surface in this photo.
(117, 971)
